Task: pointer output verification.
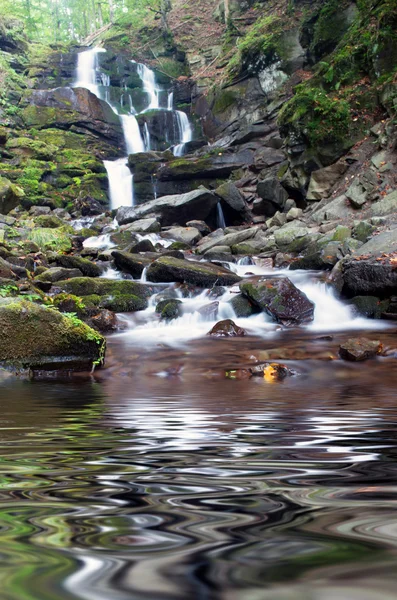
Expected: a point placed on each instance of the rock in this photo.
(232, 196)
(368, 277)
(271, 371)
(9, 271)
(142, 246)
(243, 307)
(105, 321)
(169, 269)
(88, 206)
(278, 220)
(336, 209)
(10, 195)
(386, 206)
(209, 311)
(87, 267)
(230, 239)
(385, 242)
(358, 349)
(200, 225)
(362, 231)
(279, 298)
(370, 307)
(112, 294)
(294, 213)
(169, 309)
(37, 338)
(55, 274)
(356, 194)
(290, 234)
(226, 328)
(187, 235)
(134, 264)
(323, 180)
(150, 225)
(67, 107)
(379, 159)
(172, 209)
(273, 197)
(322, 259)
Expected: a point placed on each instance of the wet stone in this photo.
(359, 349)
(227, 328)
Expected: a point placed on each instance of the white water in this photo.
(149, 86)
(121, 188)
(220, 217)
(330, 314)
(87, 75)
(185, 132)
(132, 135)
(99, 242)
(170, 102)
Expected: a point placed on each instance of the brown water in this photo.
(160, 479)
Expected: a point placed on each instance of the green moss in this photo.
(223, 100)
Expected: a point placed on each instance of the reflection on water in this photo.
(188, 485)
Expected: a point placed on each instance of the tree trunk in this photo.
(227, 10)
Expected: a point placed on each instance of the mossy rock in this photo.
(28, 147)
(87, 267)
(117, 295)
(39, 338)
(170, 269)
(50, 221)
(169, 309)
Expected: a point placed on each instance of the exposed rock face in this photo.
(35, 337)
(323, 180)
(226, 328)
(67, 107)
(358, 349)
(280, 298)
(172, 209)
(169, 269)
(186, 235)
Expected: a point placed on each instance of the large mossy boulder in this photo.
(115, 295)
(280, 298)
(131, 263)
(168, 269)
(87, 267)
(39, 338)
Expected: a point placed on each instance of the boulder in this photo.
(358, 349)
(10, 195)
(242, 306)
(55, 274)
(134, 264)
(150, 225)
(169, 269)
(37, 338)
(200, 225)
(172, 209)
(385, 242)
(230, 239)
(112, 294)
(170, 308)
(105, 321)
(368, 277)
(280, 298)
(187, 235)
(338, 208)
(386, 206)
(87, 267)
(273, 197)
(226, 328)
(232, 196)
(323, 180)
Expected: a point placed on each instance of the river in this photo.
(160, 478)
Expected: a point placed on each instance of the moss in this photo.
(86, 286)
(223, 100)
(36, 337)
(29, 147)
(50, 221)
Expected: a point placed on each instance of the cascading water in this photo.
(220, 217)
(149, 86)
(185, 132)
(88, 75)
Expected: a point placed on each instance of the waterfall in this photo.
(220, 217)
(89, 76)
(87, 70)
(149, 85)
(121, 189)
(132, 134)
(185, 132)
(146, 137)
